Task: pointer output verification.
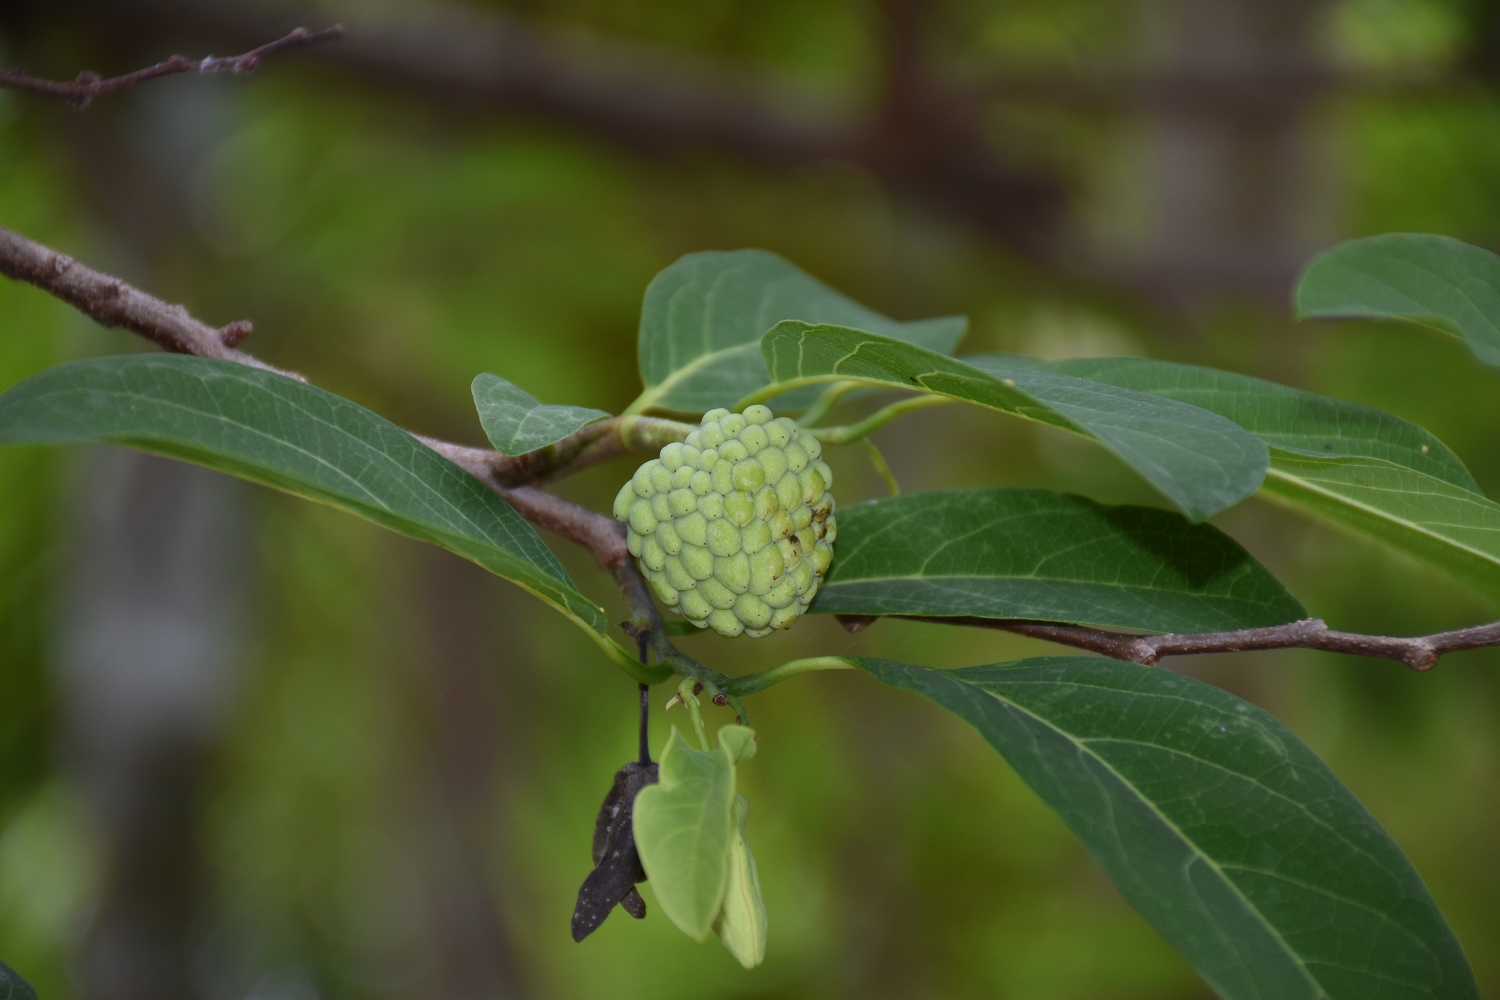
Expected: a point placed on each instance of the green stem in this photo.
(752, 683)
(690, 701)
(881, 466)
(850, 433)
(775, 389)
(826, 402)
(598, 442)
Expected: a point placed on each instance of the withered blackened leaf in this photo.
(617, 866)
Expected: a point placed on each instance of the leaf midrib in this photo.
(1424, 309)
(649, 397)
(1386, 516)
(349, 438)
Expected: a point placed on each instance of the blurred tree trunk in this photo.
(1240, 185)
(150, 653)
(155, 600)
(473, 742)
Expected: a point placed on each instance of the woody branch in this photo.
(1418, 652)
(115, 303)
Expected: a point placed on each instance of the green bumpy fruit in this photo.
(734, 526)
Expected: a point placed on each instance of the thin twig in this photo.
(112, 302)
(81, 92)
(1417, 652)
(473, 58)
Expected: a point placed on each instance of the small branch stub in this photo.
(232, 335)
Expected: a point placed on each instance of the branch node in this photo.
(235, 333)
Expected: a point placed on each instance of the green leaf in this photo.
(1198, 460)
(703, 318)
(1426, 518)
(1049, 557)
(683, 827)
(13, 987)
(1285, 418)
(1434, 281)
(742, 925)
(1214, 821)
(300, 439)
(1358, 467)
(515, 422)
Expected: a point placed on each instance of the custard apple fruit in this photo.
(734, 526)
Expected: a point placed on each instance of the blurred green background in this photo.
(254, 748)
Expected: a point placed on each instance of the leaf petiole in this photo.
(826, 402)
(689, 697)
(850, 433)
(881, 466)
(752, 683)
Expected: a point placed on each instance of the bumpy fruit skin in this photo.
(734, 526)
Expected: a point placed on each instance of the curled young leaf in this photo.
(742, 924)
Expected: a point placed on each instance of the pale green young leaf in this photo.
(516, 422)
(739, 741)
(1434, 281)
(1200, 461)
(1002, 553)
(742, 925)
(1358, 467)
(1219, 825)
(703, 318)
(300, 439)
(683, 826)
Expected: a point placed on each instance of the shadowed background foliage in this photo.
(252, 747)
